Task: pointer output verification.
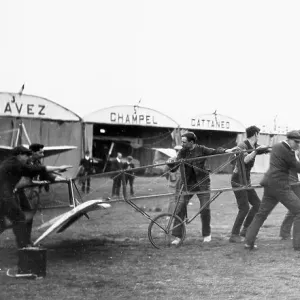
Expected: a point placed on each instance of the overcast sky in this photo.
(179, 57)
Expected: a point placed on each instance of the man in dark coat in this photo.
(87, 164)
(37, 153)
(117, 165)
(277, 188)
(12, 170)
(129, 175)
(288, 221)
(25, 203)
(194, 178)
(36, 157)
(244, 198)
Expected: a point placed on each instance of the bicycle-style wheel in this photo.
(160, 230)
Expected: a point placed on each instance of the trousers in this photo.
(274, 194)
(181, 211)
(116, 186)
(13, 208)
(130, 178)
(86, 184)
(287, 223)
(244, 199)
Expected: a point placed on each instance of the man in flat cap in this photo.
(37, 153)
(277, 188)
(36, 157)
(25, 203)
(11, 171)
(288, 221)
(35, 147)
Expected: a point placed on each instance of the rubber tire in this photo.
(164, 216)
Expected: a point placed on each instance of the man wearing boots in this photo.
(37, 153)
(277, 188)
(11, 171)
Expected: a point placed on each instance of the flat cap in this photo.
(21, 150)
(293, 135)
(36, 147)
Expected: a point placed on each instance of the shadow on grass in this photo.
(95, 249)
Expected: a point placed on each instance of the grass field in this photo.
(110, 257)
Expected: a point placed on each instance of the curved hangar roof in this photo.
(27, 106)
(214, 122)
(130, 115)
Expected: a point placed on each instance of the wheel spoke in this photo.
(161, 228)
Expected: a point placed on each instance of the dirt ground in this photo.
(109, 255)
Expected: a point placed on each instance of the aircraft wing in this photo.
(48, 150)
(5, 151)
(53, 150)
(62, 222)
(167, 151)
(5, 148)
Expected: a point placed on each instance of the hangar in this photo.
(215, 130)
(131, 130)
(31, 119)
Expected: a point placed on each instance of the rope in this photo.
(220, 168)
(152, 182)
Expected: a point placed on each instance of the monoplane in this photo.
(161, 226)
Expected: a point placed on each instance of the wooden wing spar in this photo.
(62, 222)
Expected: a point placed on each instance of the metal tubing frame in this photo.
(71, 184)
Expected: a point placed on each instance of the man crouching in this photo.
(11, 171)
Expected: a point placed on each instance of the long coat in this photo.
(282, 161)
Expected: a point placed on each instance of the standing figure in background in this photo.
(287, 223)
(116, 165)
(129, 175)
(86, 165)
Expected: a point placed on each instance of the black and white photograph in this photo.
(149, 149)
